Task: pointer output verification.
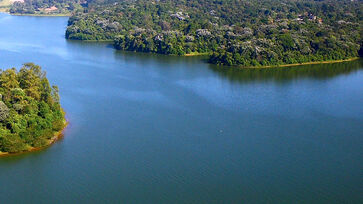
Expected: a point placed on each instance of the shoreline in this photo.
(239, 66)
(91, 41)
(298, 64)
(56, 136)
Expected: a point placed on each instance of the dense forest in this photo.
(30, 111)
(232, 32)
(46, 7)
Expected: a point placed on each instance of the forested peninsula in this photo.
(240, 33)
(30, 113)
(247, 33)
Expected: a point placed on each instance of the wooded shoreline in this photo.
(301, 64)
(56, 136)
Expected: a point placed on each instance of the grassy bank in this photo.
(197, 54)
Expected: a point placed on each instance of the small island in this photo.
(30, 113)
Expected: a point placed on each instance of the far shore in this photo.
(56, 136)
(37, 14)
(42, 15)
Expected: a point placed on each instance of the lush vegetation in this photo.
(233, 32)
(30, 112)
(46, 7)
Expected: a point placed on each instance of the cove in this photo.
(160, 129)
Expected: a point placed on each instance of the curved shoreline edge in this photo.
(297, 64)
(52, 140)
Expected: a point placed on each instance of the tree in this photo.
(4, 111)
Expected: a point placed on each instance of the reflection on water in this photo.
(316, 71)
(158, 58)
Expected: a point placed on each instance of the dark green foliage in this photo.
(234, 32)
(30, 112)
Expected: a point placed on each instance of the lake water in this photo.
(155, 129)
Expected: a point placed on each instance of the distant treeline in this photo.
(46, 6)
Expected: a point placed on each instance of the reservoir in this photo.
(147, 128)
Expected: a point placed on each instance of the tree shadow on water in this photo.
(281, 74)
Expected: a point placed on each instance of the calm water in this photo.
(155, 129)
